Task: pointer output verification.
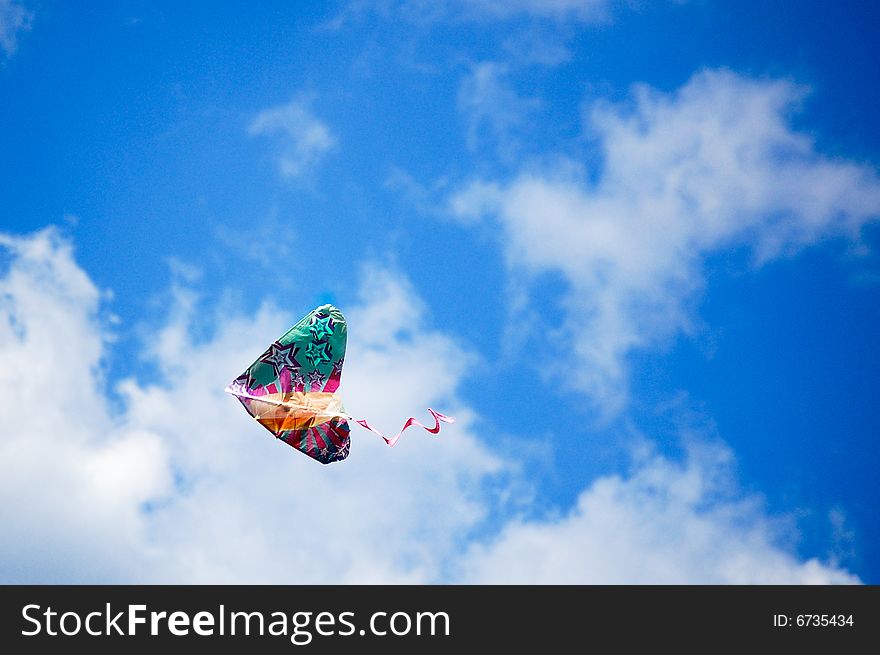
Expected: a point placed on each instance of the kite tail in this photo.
(438, 417)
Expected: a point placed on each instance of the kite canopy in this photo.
(290, 389)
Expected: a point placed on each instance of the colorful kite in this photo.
(290, 389)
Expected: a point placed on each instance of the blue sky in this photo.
(632, 245)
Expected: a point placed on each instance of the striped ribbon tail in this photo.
(438, 417)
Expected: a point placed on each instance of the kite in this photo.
(291, 389)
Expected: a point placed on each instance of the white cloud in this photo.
(538, 45)
(427, 199)
(14, 19)
(303, 138)
(574, 10)
(71, 479)
(492, 108)
(712, 166)
(178, 484)
(246, 240)
(426, 12)
(181, 485)
(665, 524)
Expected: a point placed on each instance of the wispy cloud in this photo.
(587, 11)
(427, 199)
(178, 485)
(712, 166)
(666, 523)
(494, 111)
(14, 19)
(425, 12)
(248, 240)
(302, 138)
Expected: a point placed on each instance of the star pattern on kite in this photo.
(281, 357)
(316, 379)
(242, 382)
(321, 328)
(298, 380)
(318, 353)
(337, 366)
